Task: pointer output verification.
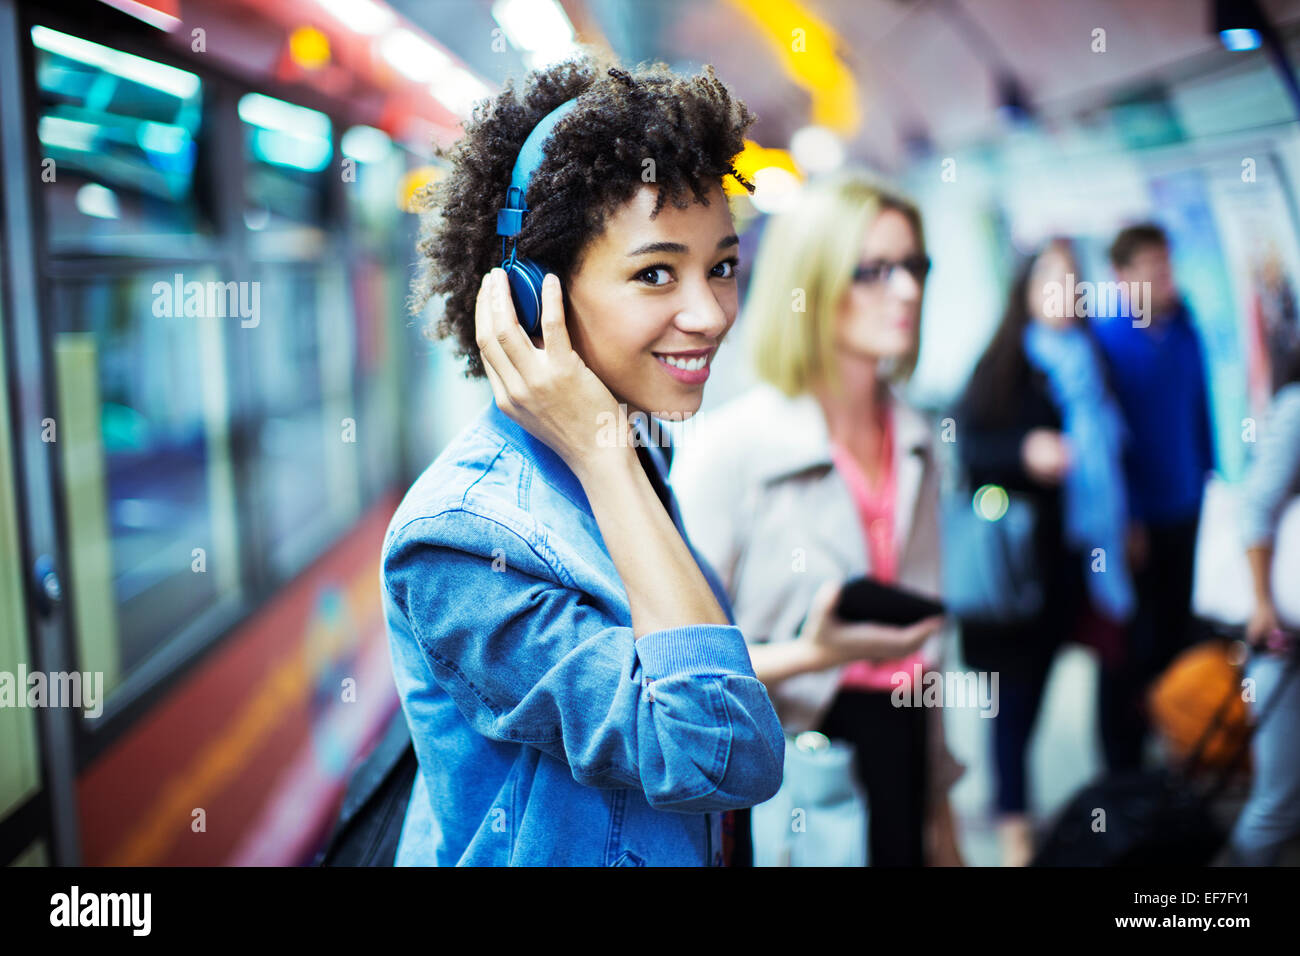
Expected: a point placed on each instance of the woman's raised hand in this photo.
(1045, 454)
(550, 391)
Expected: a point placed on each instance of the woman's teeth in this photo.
(690, 364)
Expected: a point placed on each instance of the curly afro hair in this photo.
(689, 126)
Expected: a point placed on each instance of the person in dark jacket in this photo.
(1156, 362)
(1038, 420)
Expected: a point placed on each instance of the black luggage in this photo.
(1151, 818)
(1157, 817)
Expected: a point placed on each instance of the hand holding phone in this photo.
(832, 640)
(866, 599)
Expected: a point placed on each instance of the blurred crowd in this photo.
(1069, 514)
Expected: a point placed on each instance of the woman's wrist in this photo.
(1260, 559)
(1264, 605)
(781, 660)
(811, 655)
(664, 585)
(598, 464)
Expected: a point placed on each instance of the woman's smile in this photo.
(690, 367)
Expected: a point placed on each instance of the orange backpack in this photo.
(1199, 697)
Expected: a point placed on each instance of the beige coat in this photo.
(762, 502)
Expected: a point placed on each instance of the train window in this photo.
(307, 430)
(20, 774)
(142, 430)
(378, 296)
(373, 174)
(117, 135)
(287, 151)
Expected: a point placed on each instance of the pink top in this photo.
(875, 506)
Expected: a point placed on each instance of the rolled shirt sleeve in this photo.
(677, 714)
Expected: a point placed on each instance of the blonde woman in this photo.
(822, 473)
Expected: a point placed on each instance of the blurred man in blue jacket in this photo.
(1158, 373)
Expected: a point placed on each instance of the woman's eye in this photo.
(648, 276)
(727, 267)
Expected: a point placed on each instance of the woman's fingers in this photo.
(510, 335)
(924, 628)
(914, 635)
(555, 334)
(499, 392)
(505, 378)
(887, 641)
(826, 597)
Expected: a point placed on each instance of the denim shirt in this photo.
(545, 733)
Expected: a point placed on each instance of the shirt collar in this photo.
(805, 442)
(557, 471)
(537, 453)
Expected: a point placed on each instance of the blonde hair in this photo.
(806, 259)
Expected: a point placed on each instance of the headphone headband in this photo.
(511, 219)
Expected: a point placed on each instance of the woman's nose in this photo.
(703, 313)
(903, 284)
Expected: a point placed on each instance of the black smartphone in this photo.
(866, 599)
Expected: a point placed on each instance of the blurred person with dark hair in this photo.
(822, 473)
(1271, 815)
(1157, 367)
(1037, 418)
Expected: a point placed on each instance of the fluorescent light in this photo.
(537, 59)
(270, 113)
(159, 76)
(287, 134)
(775, 189)
(538, 26)
(366, 144)
(162, 138)
(459, 90)
(412, 55)
(290, 149)
(363, 16)
(97, 201)
(67, 133)
(146, 13)
(1239, 40)
(817, 149)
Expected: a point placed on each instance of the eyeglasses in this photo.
(882, 270)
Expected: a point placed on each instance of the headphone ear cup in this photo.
(525, 278)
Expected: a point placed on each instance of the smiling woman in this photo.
(653, 298)
(576, 689)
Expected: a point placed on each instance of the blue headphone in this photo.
(525, 275)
